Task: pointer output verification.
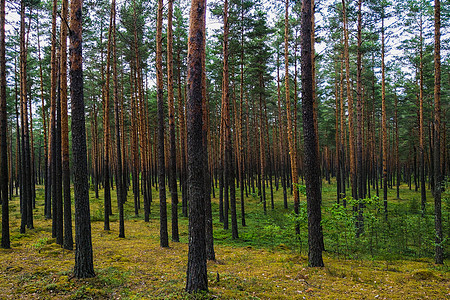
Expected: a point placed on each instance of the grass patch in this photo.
(268, 261)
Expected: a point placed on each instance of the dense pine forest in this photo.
(229, 149)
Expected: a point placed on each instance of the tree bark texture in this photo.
(68, 238)
(196, 270)
(84, 266)
(439, 249)
(163, 235)
(311, 158)
(5, 243)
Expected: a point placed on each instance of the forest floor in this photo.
(136, 267)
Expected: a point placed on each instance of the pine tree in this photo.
(197, 279)
(163, 235)
(170, 100)
(439, 250)
(311, 159)
(68, 239)
(5, 243)
(84, 266)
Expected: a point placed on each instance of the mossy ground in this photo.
(253, 267)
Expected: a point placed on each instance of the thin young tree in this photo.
(107, 131)
(209, 231)
(5, 243)
(311, 157)
(439, 250)
(290, 133)
(351, 125)
(47, 206)
(120, 186)
(383, 115)
(51, 195)
(26, 157)
(84, 265)
(68, 238)
(359, 125)
(228, 155)
(197, 279)
(423, 192)
(170, 100)
(163, 235)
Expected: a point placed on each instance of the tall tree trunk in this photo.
(5, 243)
(311, 158)
(182, 137)
(68, 239)
(53, 84)
(197, 279)
(342, 153)
(439, 249)
(228, 161)
(47, 206)
(26, 158)
(241, 101)
(397, 158)
(134, 143)
(384, 117)
(57, 171)
(120, 190)
(359, 125)
(291, 135)
(262, 150)
(351, 125)
(163, 235)
(84, 266)
(423, 191)
(107, 131)
(281, 141)
(209, 234)
(173, 154)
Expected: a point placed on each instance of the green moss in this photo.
(268, 261)
(423, 275)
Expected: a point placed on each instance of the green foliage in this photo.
(406, 232)
(40, 243)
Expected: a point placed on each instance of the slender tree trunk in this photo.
(163, 235)
(26, 157)
(228, 155)
(57, 161)
(337, 138)
(182, 125)
(47, 205)
(439, 248)
(68, 239)
(120, 190)
(32, 161)
(262, 150)
(342, 153)
(209, 234)
(241, 101)
(384, 118)
(359, 126)
(311, 158)
(107, 131)
(5, 243)
(281, 141)
(423, 191)
(291, 135)
(351, 126)
(84, 266)
(197, 279)
(170, 100)
(397, 158)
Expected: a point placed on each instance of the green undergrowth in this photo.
(390, 260)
